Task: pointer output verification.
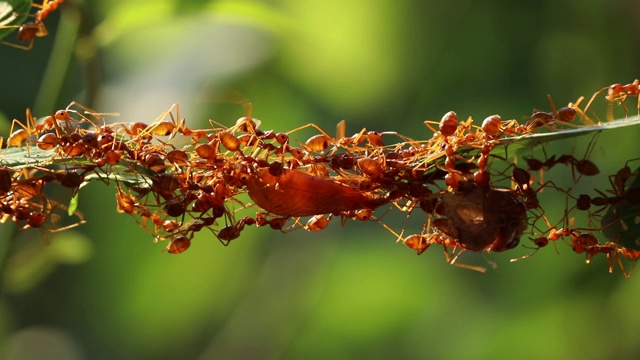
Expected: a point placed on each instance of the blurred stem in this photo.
(5, 246)
(59, 60)
(88, 54)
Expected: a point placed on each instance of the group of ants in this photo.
(176, 180)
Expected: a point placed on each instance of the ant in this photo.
(24, 200)
(20, 136)
(543, 241)
(451, 136)
(7, 179)
(417, 242)
(66, 137)
(583, 167)
(490, 127)
(232, 232)
(540, 118)
(620, 221)
(584, 201)
(28, 31)
(630, 254)
(179, 245)
(318, 222)
(619, 190)
(162, 127)
(523, 181)
(421, 242)
(447, 128)
(591, 247)
(619, 93)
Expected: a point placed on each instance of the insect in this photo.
(210, 178)
(296, 193)
(620, 222)
(588, 244)
(69, 137)
(28, 31)
(20, 136)
(617, 93)
(179, 245)
(417, 242)
(7, 178)
(542, 241)
(584, 201)
(451, 137)
(583, 167)
(160, 127)
(232, 232)
(421, 242)
(25, 203)
(483, 219)
(318, 222)
(447, 128)
(540, 119)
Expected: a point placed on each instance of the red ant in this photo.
(620, 223)
(179, 245)
(588, 244)
(619, 93)
(447, 128)
(421, 242)
(232, 232)
(582, 167)
(28, 31)
(318, 222)
(540, 118)
(584, 201)
(578, 241)
(619, 190)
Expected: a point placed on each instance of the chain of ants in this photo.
(176, 191)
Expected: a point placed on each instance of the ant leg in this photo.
(593, 97)
(19, 137)
(454, 262)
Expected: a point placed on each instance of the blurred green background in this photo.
(106, 291)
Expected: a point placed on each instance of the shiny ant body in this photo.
(28, 31)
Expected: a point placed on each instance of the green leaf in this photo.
(19, 157)
(12, 14)
(530, 140)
